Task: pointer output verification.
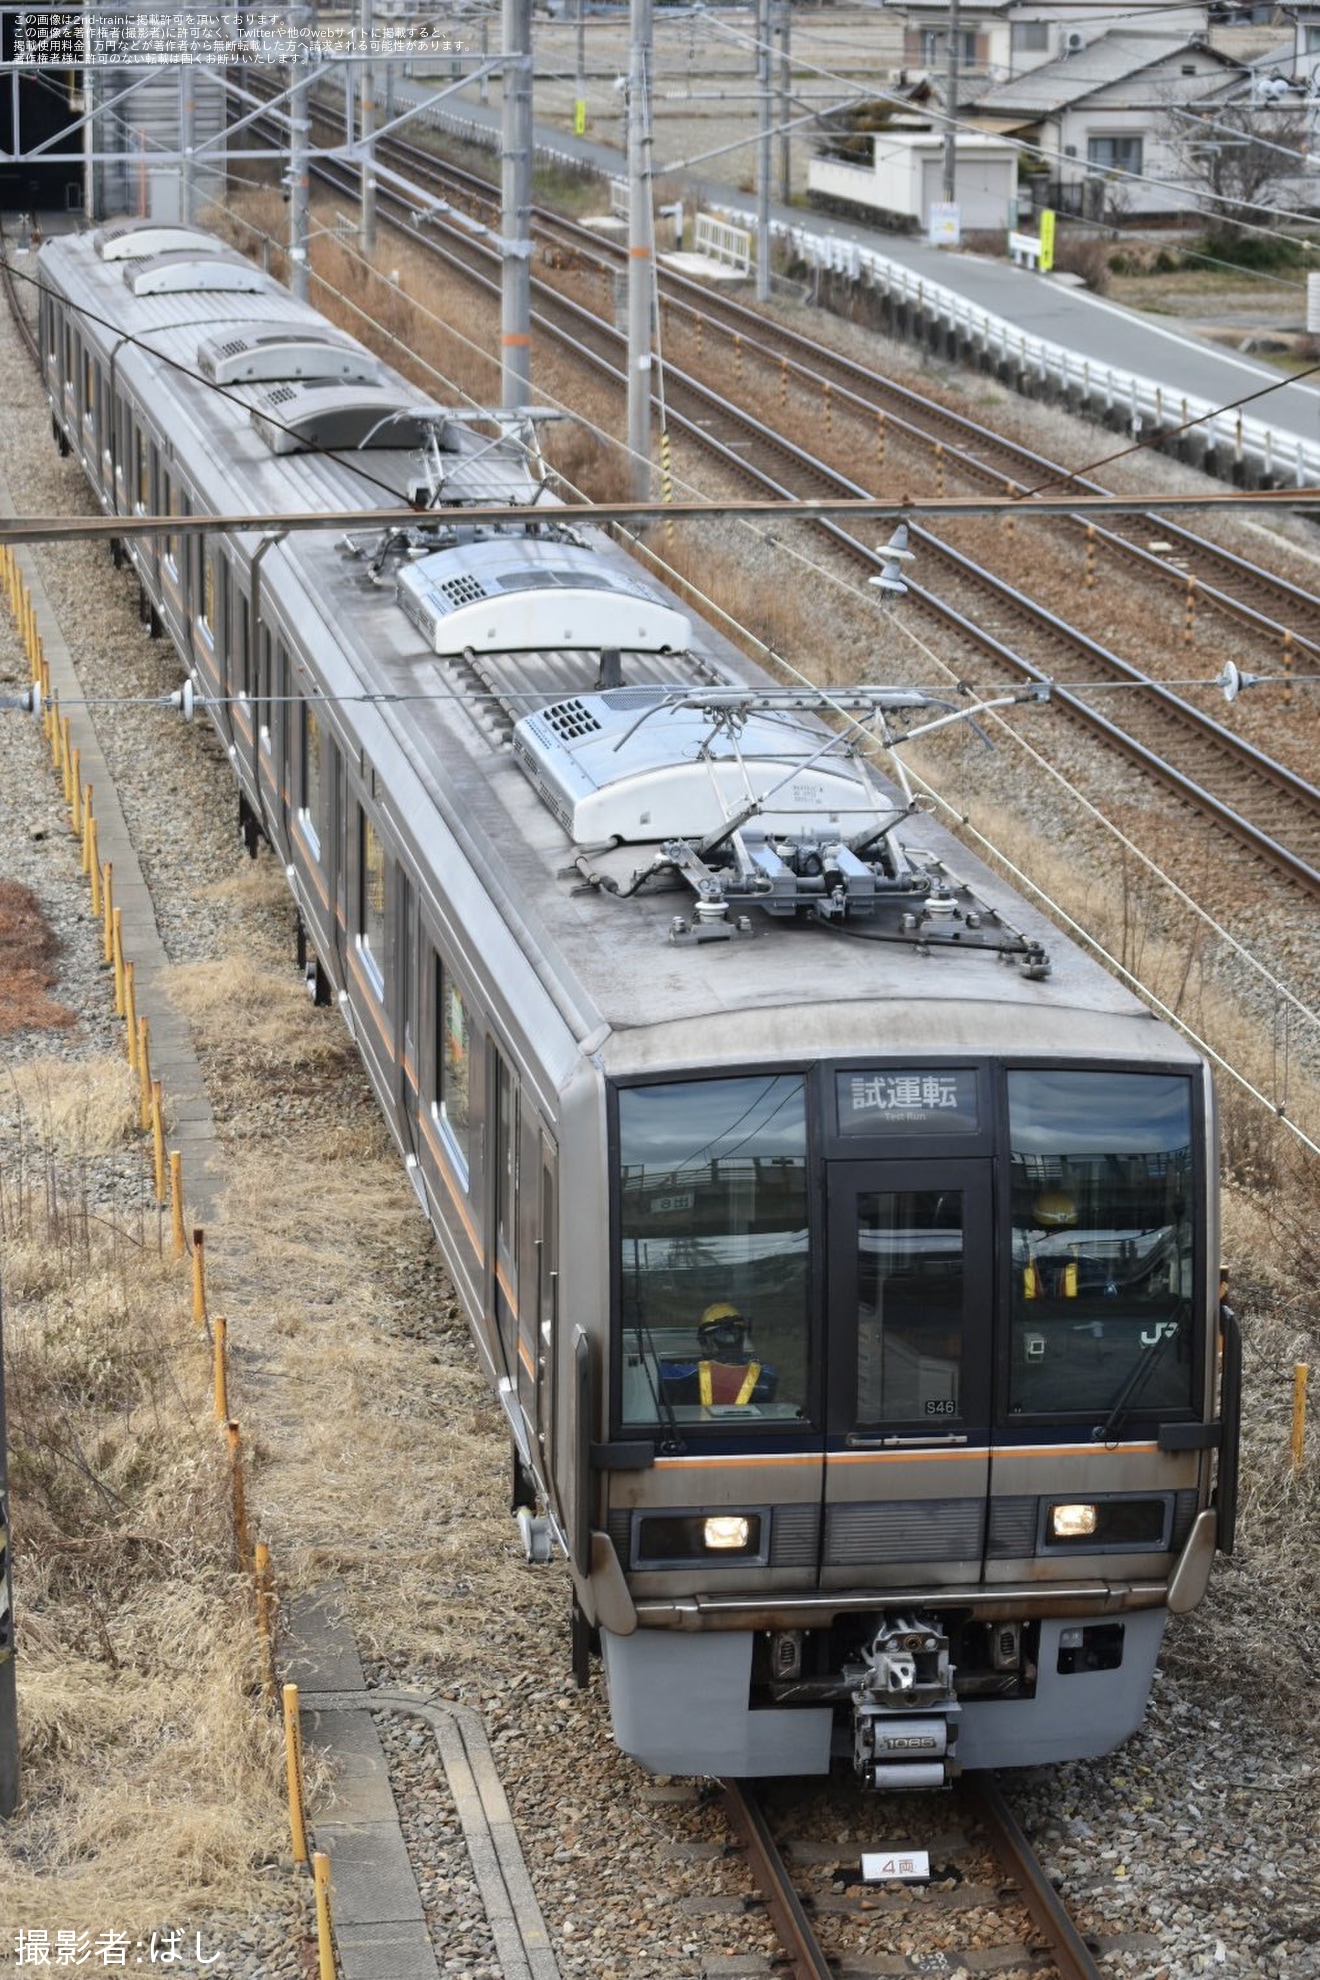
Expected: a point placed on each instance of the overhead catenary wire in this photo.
(954, 811)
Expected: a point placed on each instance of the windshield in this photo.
(713, 1234)
(1102, 1215)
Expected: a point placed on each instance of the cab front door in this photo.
(910, 1306)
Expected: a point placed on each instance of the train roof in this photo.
(569, 723)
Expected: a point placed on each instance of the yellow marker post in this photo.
(130, 1016)
(94, 866)
(265, 1589)
(87, 823)
(144, 1075)
(1301, 1372)
(108, 903)
(580, 116)
(325, 1931)
(221, 1374)
(117, 955)
(199, 1278)
(294, 1773)
(1045, 234)
(176, 1203)
(242, 1546)
(158, 1138)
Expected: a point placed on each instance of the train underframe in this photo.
(913, 1695)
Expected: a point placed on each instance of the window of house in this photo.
(1030, 37)
(1120, 153)
(935, 49)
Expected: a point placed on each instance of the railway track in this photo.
(816, 1909)
(948, 442)
(1266, 806)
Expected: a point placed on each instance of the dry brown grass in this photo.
(27, 964)
(150, 1776)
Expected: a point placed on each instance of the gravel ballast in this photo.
(1202, 1829)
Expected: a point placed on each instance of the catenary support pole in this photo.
(516, 207)
(300, 127)
(367, 114)
(951, 108)
(641, 248)
(763, 150)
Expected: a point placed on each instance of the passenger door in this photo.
(909, 1359)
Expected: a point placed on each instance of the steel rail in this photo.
(747, 1820)
(16, 310)
(1071, 1954)
(683, 292)
(1259, 842)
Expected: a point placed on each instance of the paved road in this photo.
(1045, 306)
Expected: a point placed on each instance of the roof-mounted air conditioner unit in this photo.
(1074, 41)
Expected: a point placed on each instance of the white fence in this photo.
(1023, 249)
(1226, 443)
(729, 245)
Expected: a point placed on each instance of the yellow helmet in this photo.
(719, 1310)
(1054, 1210)
(722, 1330)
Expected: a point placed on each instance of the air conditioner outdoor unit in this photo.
(1073, 42)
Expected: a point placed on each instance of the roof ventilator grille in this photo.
(750, 805)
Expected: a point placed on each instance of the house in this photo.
(902, 178)
(1097, 119)
(999, 40)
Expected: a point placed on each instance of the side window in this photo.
(265, 662)
(172, 508)
(371, 897)
(310, 785)
(143, 497)
(506, 1169)
(453, 1045)
(206, 609)
(242, 644)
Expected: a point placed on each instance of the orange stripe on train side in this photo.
(753, 1460)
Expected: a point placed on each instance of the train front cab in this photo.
(937, 1527)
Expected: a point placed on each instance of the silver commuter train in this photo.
(841, 1243)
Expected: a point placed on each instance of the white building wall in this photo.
(908, 172)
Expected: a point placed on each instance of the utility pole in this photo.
(763, 151)
(641, 249)
(951, 110)
(783, 27)
(516, 207)
(367, 101)
(300, 128)
(187, 118)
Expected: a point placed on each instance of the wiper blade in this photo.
(1125, 1400)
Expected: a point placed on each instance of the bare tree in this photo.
(1240, 157)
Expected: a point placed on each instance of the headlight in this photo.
(1132, 1523)
(674, 1539)
(1073, 1522)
